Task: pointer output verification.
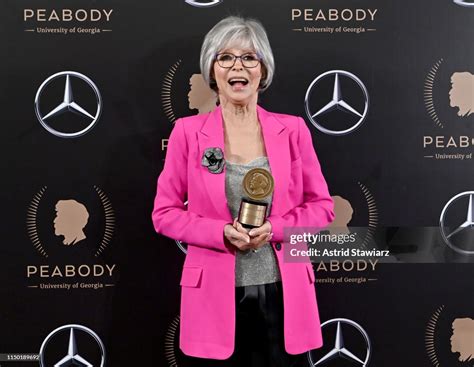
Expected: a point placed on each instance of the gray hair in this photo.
(237, 32)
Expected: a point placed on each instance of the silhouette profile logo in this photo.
(200, 96)
(449, 88)
(449, 336)
(344, 211)
(461, 94)
(86, 222)
(462, 339)
(71, 218)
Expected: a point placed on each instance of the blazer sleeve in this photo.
(317, 209)
(170, 216)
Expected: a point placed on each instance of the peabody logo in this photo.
(67, 21)
(203, 4)
(67, 15)
(70, 356)
(88, 116)
(464, 3)
(333, 14)
(333, 21)
(354, 104)
(448, 97)
(71, 218)
(352, 344)
(458, 234)
(73, 226)
(328, 264)
(459, 95)
(199, 96)
(449, 337)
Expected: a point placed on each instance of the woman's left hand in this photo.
(261, 235)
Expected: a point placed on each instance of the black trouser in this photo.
(259, 338)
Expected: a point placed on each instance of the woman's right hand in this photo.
(238, 237)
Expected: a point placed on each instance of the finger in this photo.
(263, 237)
(238, 236)
(241, 229)
(254, 232)
(245, 247)
(265, 227)
(241, 245)
(259, 241)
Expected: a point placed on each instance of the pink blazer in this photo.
(300, 198)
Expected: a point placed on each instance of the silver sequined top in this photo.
(251, 268)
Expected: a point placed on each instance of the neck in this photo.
(242, 114)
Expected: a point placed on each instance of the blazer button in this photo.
(278, 246)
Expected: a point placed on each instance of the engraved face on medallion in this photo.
(258, 183)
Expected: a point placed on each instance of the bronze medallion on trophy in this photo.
(258, 184)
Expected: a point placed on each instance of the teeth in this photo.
(238, 80)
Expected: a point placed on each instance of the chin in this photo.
(239, 98)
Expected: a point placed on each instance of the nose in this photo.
(239, 60)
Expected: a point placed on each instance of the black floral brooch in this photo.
(213, 159)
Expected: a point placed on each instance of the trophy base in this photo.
(252, 214)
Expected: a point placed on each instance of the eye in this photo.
(225, 57)
(249, 57)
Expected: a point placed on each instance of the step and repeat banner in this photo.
(90, 91)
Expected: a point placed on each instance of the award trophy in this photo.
(258, 184)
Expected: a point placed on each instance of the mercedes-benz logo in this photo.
(72, 358)
(465, 3)
(339, 350)
(200, 4)
(68, 104)
(336, 103)
(468, 223)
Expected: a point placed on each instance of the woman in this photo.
(240, 300)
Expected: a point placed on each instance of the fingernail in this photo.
(251, 233)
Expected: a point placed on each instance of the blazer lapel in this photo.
(211, 135)
(276, 139)
(275, 136)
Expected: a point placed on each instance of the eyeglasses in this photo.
(227, 60)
